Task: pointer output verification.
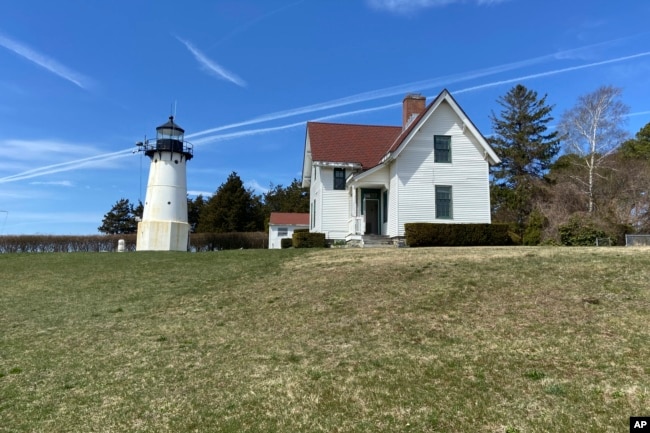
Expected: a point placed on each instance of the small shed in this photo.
(283, 224)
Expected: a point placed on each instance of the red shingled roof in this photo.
(289, 218)
(338, 142)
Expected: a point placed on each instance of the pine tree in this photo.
(120, 219)
(527, 150)
(639, 146)
(293, 198)
(232, 208)
(194, 208)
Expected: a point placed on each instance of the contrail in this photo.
(638, 113)
(403, 88)
(44, 62)
(252, 22)
(554, 72)
(65, 166)
(397, 104)
(248, 132)
(71, 165)
(212, 66)
(406, 7)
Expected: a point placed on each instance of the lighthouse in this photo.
(164, 225)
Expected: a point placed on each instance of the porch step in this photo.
(374, 241)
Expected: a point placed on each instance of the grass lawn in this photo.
(342, 340)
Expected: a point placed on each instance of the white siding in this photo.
(334, 206)
(275, 239)
(377, 179)
(417, 174)
(315, 197)
(393, 201)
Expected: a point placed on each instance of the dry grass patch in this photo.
(428, 340)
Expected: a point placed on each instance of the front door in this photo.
(370, 209)
(372, 216)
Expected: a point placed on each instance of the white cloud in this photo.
(30, 150)
(212, 66)
(256, 186)
(23, 222)
(56, 183)
(45, 62)
(206, 194)
(408, 6)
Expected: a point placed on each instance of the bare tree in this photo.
(593, 129)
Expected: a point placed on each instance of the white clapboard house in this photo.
(283, 224)
(371, 180)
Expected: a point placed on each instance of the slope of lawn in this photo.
(340, 340)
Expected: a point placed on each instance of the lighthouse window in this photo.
(176, 161)
(169, 202)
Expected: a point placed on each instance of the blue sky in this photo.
(81, 81)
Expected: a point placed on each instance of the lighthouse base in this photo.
(163, 236)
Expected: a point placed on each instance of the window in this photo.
(282, 231)
(443, 202)
(339, 178)
(384, 199)
(442, 148)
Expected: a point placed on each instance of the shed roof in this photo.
(289, 218)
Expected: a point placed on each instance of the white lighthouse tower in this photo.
(164, 225)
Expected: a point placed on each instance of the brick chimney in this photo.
(412, 106)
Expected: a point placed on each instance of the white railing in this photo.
(357, 225)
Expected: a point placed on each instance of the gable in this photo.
(468, 128)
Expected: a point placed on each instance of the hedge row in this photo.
(64, 244)
(456, 235)
(108, 243)
(302, 239)
(228, 241)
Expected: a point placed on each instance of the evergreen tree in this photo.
(232, 208)
(527, 150)
(293, 198)
(194, 208)
(639, 146)
(120, 219)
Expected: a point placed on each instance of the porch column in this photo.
(354, 202)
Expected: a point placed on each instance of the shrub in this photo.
(580, 231)
(533, 232)
(302, 239)
(286, 243)
(431, 234)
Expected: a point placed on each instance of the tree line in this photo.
(567, 184)
(232, 208)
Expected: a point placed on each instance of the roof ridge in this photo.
(353, 124)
